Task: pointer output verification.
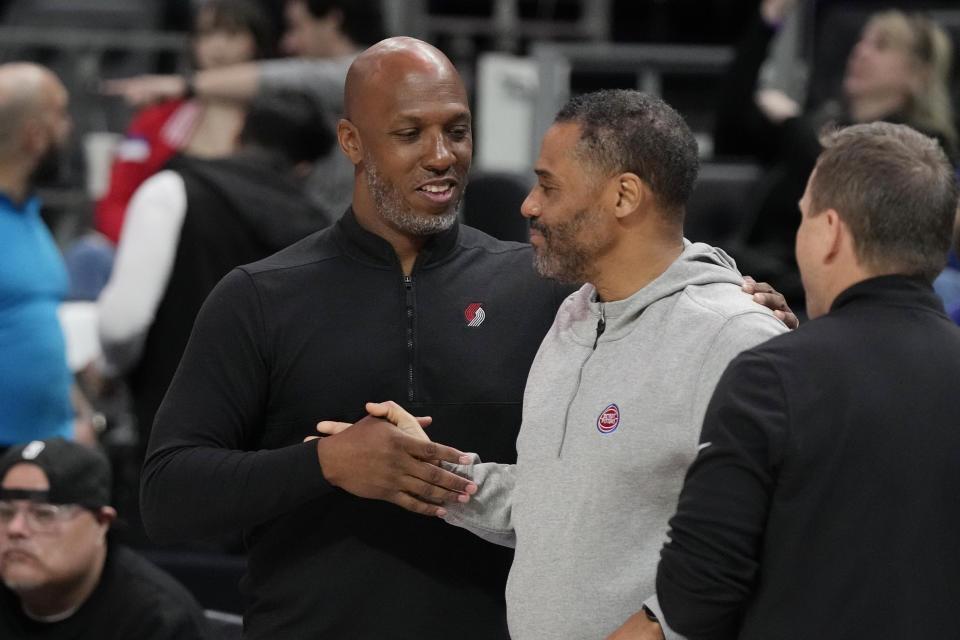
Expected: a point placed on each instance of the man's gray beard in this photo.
(391, 207)
(562, 258)
(567, 269)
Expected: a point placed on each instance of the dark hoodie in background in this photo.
(240, 209)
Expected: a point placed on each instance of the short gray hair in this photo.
(625, 130)
(895, 189)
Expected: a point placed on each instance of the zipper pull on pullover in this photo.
(411, 344)
(601, 325)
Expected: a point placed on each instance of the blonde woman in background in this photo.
(898, 71)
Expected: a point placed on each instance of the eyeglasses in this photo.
(40, 517)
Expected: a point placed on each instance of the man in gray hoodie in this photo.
(616, 395)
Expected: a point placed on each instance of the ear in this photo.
(836, 236)
(349, 139)
(628, 193)
(105, 517)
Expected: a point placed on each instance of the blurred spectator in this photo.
(224, 32)
(192, 223)
(898, 72)
(35, 381)
(62, 579)
(325, 36)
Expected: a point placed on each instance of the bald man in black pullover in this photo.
(384, 304)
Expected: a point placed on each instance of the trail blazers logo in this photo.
(474, 314)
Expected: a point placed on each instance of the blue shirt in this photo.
(34, 376)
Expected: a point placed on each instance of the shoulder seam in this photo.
(729, 315)
(254, 272)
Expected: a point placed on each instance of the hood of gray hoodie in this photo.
(698, 265)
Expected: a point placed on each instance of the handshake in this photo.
(388, 456)
(391, 412)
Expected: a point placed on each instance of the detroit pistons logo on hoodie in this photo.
(609, 420)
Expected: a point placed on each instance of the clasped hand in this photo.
(388, 456)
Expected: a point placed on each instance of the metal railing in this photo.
(556, 63)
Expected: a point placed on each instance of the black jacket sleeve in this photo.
(201, 476)
(709, 566)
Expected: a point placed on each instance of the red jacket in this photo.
(154, 135)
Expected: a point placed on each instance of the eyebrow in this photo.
(463, 116)
(543, 173)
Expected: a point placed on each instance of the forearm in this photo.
(198, 491)
(141, 271)
(238, 83)
(200, 475)
(488, 513)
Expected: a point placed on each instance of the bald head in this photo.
(408, 134)
(27, 91)
(388, 63)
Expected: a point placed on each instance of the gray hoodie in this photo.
(610, 424)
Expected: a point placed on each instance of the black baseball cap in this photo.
(77, 474)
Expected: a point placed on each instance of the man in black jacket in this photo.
(822, 502)
(394, 301)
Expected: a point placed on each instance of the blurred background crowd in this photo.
(229, 107)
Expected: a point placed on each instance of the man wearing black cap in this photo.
(60, 578)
